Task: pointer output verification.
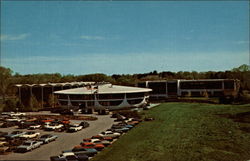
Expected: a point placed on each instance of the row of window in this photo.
(100, 96)
(103, 103)
(171, 87)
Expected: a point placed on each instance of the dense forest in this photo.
(8, 78)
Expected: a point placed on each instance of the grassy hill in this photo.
(186, 132)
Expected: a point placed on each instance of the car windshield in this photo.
(29, 133)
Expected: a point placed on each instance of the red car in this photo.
(87, 140)
(65, 122)
(47, 120)
(88, 145)
(102, 138)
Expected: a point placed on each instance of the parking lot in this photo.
(64, 141)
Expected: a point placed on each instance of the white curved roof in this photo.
(104, 89)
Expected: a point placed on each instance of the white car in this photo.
(32, 127)
(110, 134)
(17, 114)
(15, 119)
(51, 127)
(28, 146)
(74, 128)
(30, 135)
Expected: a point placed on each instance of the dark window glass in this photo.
(110, 96)
(134, 95)
(141, 84)
(229, 84)
(157, 87)
(201, 85)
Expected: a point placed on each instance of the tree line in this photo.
(8, 78)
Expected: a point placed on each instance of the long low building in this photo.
(43, 92)
(103, 96)
(164, 89)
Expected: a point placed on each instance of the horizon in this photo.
(16, 73)
(108, 37)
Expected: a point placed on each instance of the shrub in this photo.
(10, 105)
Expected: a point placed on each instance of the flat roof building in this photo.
(103, 96)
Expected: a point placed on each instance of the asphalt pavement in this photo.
(65, 140)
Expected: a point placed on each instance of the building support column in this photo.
(178, 88)
(166, 89)
(19, 93)
(42, 96)
(53, 97)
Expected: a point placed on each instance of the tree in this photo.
(52, 101)
(242, 68)
(10, 105)
(34, 104)
(5, 77)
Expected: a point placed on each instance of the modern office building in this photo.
(103, 96)
(192, 88)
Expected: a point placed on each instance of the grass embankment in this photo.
(185, 132)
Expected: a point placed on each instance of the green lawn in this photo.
(184, 132)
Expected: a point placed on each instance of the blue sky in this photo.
(123, 37)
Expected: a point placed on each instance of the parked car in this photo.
(80, 150)
(133, 123)
(15, 119)
(2, 134)
(47, 120)
(98, 141)
(119, 129)
(65, 122)
(8, 124)
(47, 138)
(30, 135)
(35, 126)
(84, 124)
(91, 145)
(24, 125)
(74, 128)
(61, 157)
(110, 134)
(17, 114)
(28, 146)
(4, 147)
(123, 125)
(52, 127)
(69, 156)
(102, 138)
(14, 134)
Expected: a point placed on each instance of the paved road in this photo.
(65, 141)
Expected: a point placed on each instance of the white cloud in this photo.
(14, 37)
(87, 37)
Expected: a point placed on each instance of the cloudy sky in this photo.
(123, 37)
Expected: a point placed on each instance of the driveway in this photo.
(65, 140)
